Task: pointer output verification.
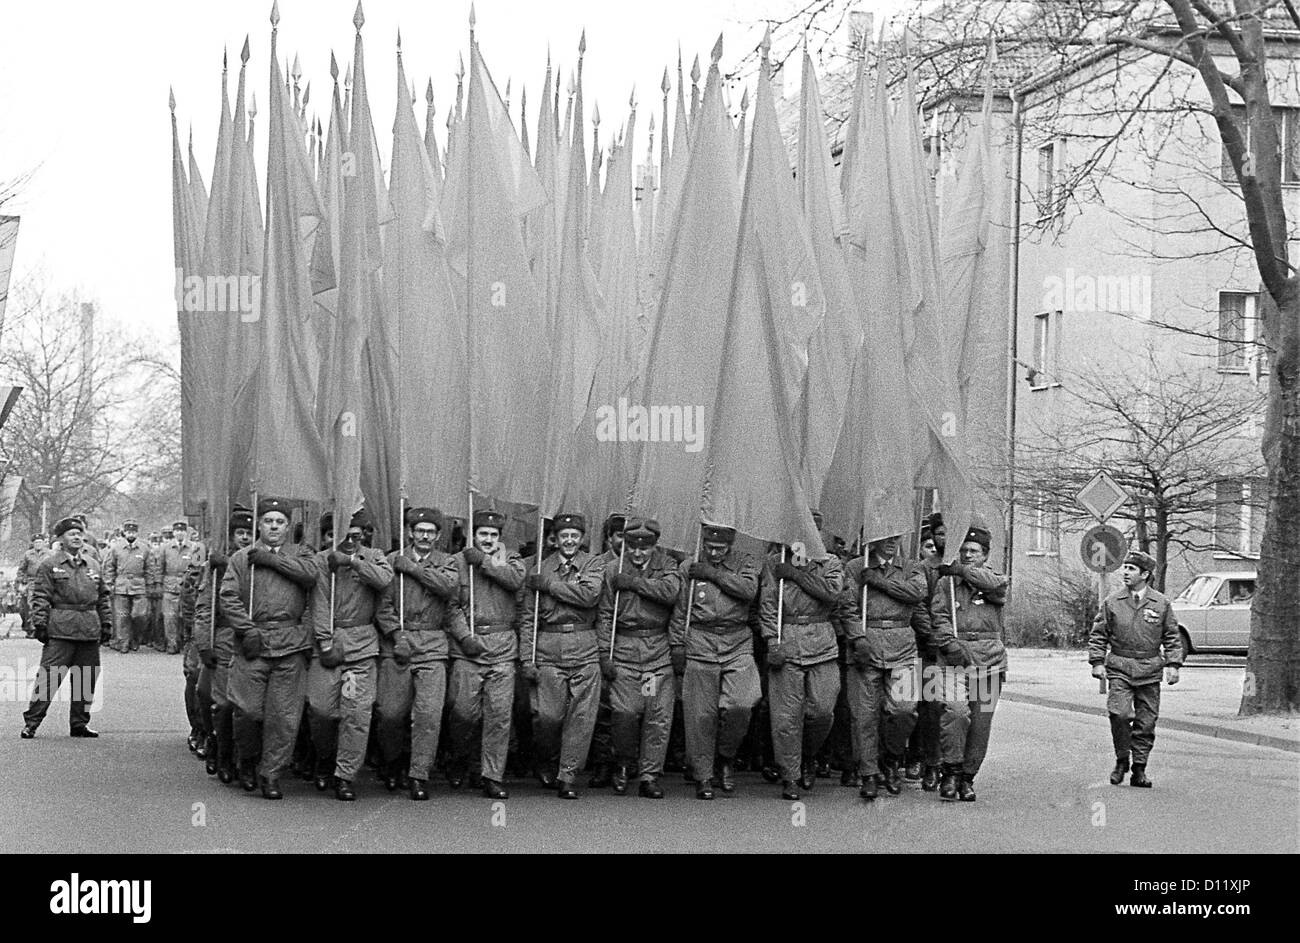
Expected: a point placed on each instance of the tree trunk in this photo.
(1273, 663)
(1162, 546)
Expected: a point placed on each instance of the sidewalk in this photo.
(1204, 701)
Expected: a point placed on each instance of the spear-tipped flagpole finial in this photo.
(460, 69)
(665, 85)
(244, 53)
(224, 54)
(252, 106)
(766, 45)
(275, 13)
(296, 71)
(306, 94)
(473, 18)
(631, 99)
(582, 44)
(717, 51)
(334, 67)
(359, 18)
(595, 114)
(171, 100)
(347, 77)
(508, 81)
(695, 70)
(399, 40)
(572, 87)
(428, 95)
(744, 102)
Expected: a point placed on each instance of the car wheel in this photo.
(1186, 640)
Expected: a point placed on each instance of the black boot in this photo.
(930, 779)
(1120, 771)
(210, 759)
(324, 773)
(771, 774)
(913, 772)
(650, 789)
(727, 776)
(850, 778)
(1139, 777)
(343, 790)
(271, 789)
(893, 776)
(619, 779)
(948, 784)
(870, 787)
(565, 789)
(966, 787)
(808, 779)
(248, 775)
(417, 792)
(456, 775)
(494, 790)
(788, 791)
(601, 777)
(704, 789)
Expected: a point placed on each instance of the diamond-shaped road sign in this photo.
(1102, 496)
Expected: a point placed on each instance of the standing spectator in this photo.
(176, 558)
(131, 571)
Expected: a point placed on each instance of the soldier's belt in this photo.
(1134, 653)
(488, 628)
(566, 627)
(353, 625)
(807, 620)
(721, 628)
(80, 607)
(643, 631)
(887, 624)
(278, 624)
(422, 627)
(978, 636)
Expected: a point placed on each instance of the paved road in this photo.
(1044, 788)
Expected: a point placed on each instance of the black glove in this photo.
(337, 558)
(401, 649)
(786, 571)
(41, 634)
(208, 657)
(331, 657)
(260, 556)
(950, 569)
(678, 655)
(529, 670)
(404, 564)
(537, 582)
(861, 656)
(473, 646)
(776, 657)
(474, 556)
(251, 644)
(608, 670)
(105, 634)
(626, 581)
(702, 571)
(955, 653)
(217, 560)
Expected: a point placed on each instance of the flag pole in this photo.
(471, 565)
(690, 590)
(401, 544)
(780, 601)
(613, 631)
(252, 568)
(537, 593)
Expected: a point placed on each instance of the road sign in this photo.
(1102, 496)
(1103, 549)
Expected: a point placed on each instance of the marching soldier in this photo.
(264, 597)
(417, 614)
(483, 666)
(602, 748)
(217, 651)
(714, 656)
(175, 560)
(27, 567)
(973, 670)
(198, 713)
(924, 758)
(876, 612)
(131, 571)
(350, 582)
(803, 677)
(1131, 630)
(639, 673)
(70, 618)
(561, 661)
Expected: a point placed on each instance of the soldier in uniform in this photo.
(176, 558)
(264, 597)
(216, 651)
(636, 605)
(27, 576)
(974, 669)
(70, 618)
(796, 609)
(131, 571)
(602, 747)
(350, 582)
(482, 688)
(1132, 629)
(875, 613)
(714, 655)
(561, 661)
(416, 616)
(924, 759)
(197, 712)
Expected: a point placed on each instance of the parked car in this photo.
(1214, 612)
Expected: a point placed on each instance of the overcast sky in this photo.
(84, 86)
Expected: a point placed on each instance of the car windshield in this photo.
(1199, 591)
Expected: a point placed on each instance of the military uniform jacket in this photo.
(497, 587)
(980, 595)
(175, 560)
(356, 589)
(188, 599)
(720, 614)
(891, 638)
(30, 562)
(641, 640)
(280, 603)
(807, 629)
(1127, 637)
(566, 630)
(224, 644)
(70, 599)
(132, 569)
(427, 618)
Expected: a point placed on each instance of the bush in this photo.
(1053, 612)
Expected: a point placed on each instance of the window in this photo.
(1046, 193)
(1045, 523)
(1288, 130)
(1240, 336)
(1047, 344)
(1239, 511)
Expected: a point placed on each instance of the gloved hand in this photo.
(1171, 675)
(41, 634)
(957, 654)
(608, 670)
(861, 657)
(702, 571)
(105, 634)
(626, 581)
(404, 564)
(331, 657)
(1099, 670)
(786, 571)
(474, 556)
(529, 670)
(538, 582)
(869, 576)
(217, 560)
(473, 646)
(401, 648)
(260, 556)
(678, 654)
(337, 558)
(208, 657)
(776, 657)
(251, 644)
(950, 569)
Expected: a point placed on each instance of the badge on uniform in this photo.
(1150, 616)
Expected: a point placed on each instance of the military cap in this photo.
(425, 516)
(327, 522)
(979, 535)
(80, 516)
(65, 525)
(718, 534)
(926, 533)
(38, 536)
(641, 531)
(361, 518)
(489, 518)
(127, 523)
(1141, 560)
(184, 524)
(240, 517)
(934, 520)
(615, 523)
(574, 521)
(268, 505)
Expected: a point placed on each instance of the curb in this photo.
(1187, 726)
